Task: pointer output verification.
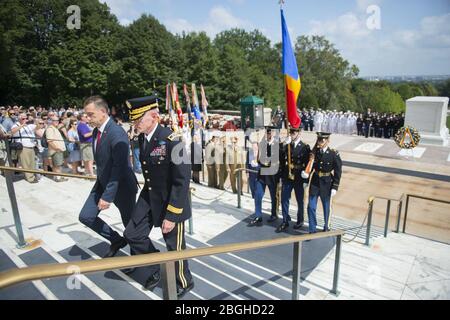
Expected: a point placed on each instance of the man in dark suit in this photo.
(291, 179)
(116, 182)
(327, 171)
(163, 201)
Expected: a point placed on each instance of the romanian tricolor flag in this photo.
(291, 77)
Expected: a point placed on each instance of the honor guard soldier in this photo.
(291, 177)
(327, 169)
(268, 160)
(163, 201)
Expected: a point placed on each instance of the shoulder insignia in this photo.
(174, 135)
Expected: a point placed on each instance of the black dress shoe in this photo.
(282, 227)
(128, 271)
(114, 247)
(298, 225)
(254, 222)
(272, 219)
(182, 291)
(152, 281)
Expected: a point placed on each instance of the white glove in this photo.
(333, 192)
(305, 185)
(288, 140)
(305, 175)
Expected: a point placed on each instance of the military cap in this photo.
(270, 128)
(292, 129)
(323, 135)
(137, 107)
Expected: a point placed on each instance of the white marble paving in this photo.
(417, 152)
(370, 147)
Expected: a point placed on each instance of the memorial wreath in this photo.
(407, 138)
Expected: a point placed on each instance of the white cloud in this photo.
(347, 27)
(219, 19)
(362, 5)
(423, 50)
(179, 25)
(124, 10)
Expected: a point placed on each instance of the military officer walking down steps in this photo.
(326, 175)
(163, 201)
(291, 178)
(269, 162)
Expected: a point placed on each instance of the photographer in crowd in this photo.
(24, 143)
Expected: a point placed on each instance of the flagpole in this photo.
(290, 175)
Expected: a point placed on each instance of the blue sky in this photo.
(413, 37)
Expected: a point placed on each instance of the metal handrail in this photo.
(50, 173)
(238, 172)
(388, 211)
(12, 196)
(167, 259)
(418, 197)
(404, 197)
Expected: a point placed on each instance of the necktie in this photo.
(99, 137)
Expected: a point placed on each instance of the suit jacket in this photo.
(111, 156)
(167, 180)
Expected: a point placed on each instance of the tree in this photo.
(325, 75)
(378, 96)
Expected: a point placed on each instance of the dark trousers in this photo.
(286, 192)
(360, 131)
(366, 130)
(137, 235)
(312, 207)
(124, 201)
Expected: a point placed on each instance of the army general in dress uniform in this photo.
(326, 175)
(163, 201)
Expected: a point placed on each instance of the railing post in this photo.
(296, 270)
(248, 182)
(8, 153)
(369, 223)
(406, 212)
(12, 197)
(388, 211)
(191, 222)
(400, 204)
(203, 165)
(168, 281)
(239, 188)
(337, 264)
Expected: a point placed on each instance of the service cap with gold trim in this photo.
(137, 107)
(323, 135)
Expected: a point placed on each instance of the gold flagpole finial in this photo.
(281, 2)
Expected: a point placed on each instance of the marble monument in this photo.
(429, 116)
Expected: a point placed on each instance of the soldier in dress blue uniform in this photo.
(326, 175)
(291, 179)
(163, 201)
(268, 176)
